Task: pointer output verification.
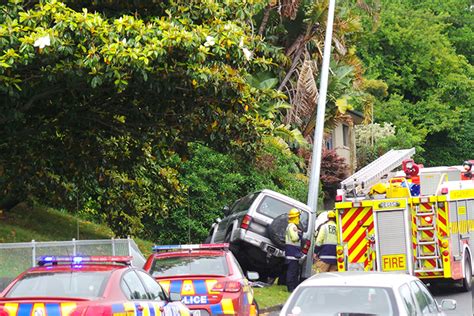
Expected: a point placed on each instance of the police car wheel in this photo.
(467, 280)
(256, 307)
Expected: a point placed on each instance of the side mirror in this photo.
(226, 210)
(175, 297)
(253, 276)
(448, 305)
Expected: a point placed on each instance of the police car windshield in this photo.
(343, 300)
(77, 284)
(215, 265)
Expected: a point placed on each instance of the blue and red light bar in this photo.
(76, 260)
(223, 246)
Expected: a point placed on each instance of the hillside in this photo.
(24, 223)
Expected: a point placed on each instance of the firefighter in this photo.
(293, 249)
(325, 249)
(467, 174)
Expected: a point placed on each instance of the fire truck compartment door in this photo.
(392, 239)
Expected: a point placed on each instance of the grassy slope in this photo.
(24, 223)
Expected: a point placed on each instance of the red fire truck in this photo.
(418, 221)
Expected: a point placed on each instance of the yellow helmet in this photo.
(293, 213)
(331, 214)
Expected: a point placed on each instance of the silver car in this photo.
(363, 293)
(247, 225)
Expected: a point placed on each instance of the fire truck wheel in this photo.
(467, 280)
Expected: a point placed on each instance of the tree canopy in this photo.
(418, 52)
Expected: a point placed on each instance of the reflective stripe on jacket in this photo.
(326, 242)
(292, 241)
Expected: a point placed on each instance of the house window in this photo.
(329, 144)
(345, 135)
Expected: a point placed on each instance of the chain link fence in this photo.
(18, 257)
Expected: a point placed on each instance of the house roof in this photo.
(356, 116)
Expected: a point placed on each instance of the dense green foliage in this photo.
(152, 115)
(215, 180)
(102, 115)
(104, 98)
(418, 50)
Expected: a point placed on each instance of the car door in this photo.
(425, 301)
(160, 299)
(136, 294)
(408, 300)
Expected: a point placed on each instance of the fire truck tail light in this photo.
(428, 219)
(306, 247)
(424, 200)
(340, 259)
(339, 252)
(444, 244)
(246, 222)
(338, 198)
(445, 253)
(444, 191)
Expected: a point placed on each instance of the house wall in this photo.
(347, 150)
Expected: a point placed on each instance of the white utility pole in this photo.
(319, 128)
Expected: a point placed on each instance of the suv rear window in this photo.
(244, 203)
(273, 208)
(80, 284)
(215, 265)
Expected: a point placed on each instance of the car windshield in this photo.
(342, 300)
(215, 265)
(77, 284)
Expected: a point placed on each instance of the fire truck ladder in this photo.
(366, 177)
(427, 238)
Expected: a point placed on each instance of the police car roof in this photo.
(359, 278)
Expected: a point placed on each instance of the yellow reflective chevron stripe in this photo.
(129, 307)
(165, 285)
(209, 285)
(11, 308)
(227, 306)
(40, 308)
(187, 288)
(67, 308)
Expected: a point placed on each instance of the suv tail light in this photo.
(307, 244)
(246, 222)
(227, 286)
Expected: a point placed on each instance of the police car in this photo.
(87, 286)
(207, 276)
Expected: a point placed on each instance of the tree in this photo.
(102, 105)
(430, 86)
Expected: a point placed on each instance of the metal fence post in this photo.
(129, 246)
(33, 253)
(113, 246)
(74, 250)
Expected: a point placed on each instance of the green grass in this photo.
(271, 296)
(24, 223)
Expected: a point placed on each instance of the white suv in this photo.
(247, 226)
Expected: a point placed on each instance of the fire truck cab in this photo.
(418, 221)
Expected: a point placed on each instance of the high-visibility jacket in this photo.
(326, 242)
(292, 242)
